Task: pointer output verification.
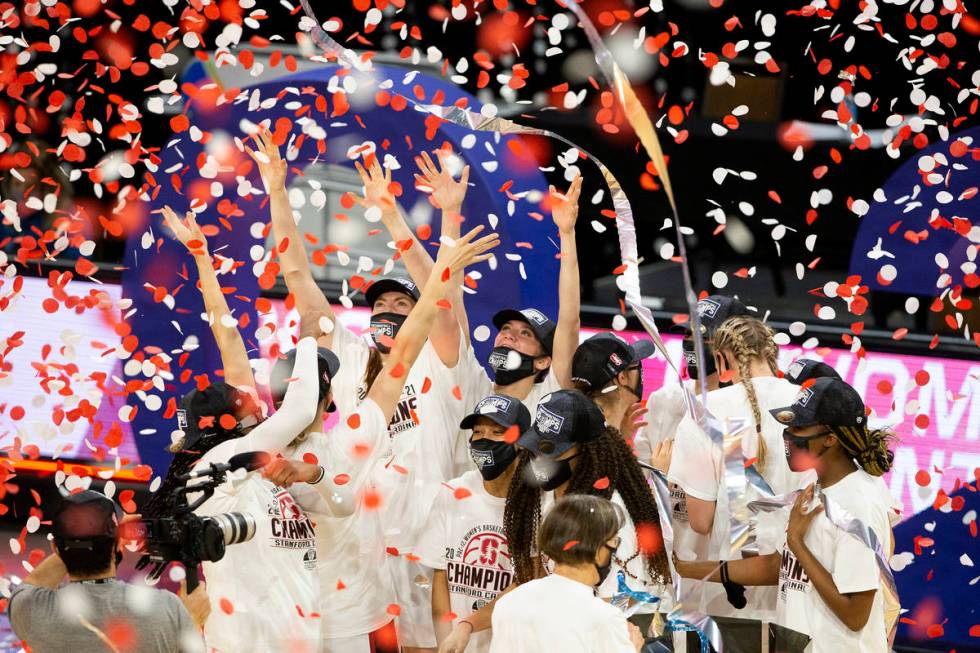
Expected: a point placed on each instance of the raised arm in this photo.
(447, 195)
(234, 357)
(452, 259)
(299, 405)
(564, 211)
(289, 243)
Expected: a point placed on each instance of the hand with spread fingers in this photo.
(187, 231)
(465, 251)
(447, 193)
(377, 187)
(564, 207)
(632, 421)
(271, 165)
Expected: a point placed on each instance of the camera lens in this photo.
(237, 527)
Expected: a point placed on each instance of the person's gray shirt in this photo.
(76, 617)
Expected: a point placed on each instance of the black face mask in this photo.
(692, 362)
(502, 357)
(638, 390)
(492, 457)
(385, 324)
(550, 474)
(603, 570)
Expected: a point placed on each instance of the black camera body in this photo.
(186, 537)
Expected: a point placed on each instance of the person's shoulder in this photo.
(862, 496)
(26, 596)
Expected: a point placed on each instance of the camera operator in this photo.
(96, 609)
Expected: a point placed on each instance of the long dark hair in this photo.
(609, 457)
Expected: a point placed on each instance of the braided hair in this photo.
(608, 456)
(747, 338)
(869, 447)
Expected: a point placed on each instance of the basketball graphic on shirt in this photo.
(486, 549)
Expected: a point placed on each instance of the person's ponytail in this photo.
(869, 447)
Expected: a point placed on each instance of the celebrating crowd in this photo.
(451, 510)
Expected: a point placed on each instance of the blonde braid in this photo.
(747, 338)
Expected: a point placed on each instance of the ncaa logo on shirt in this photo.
(708, 308)
(493, 405)
(534, 315)
(547, 422)
(804, 397)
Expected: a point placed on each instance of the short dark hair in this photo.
(577, 526)
(87, 561)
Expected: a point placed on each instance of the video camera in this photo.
(188, 538)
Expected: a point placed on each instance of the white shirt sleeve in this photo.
(855, 568)
(694, 462)
(298, 409)
(431, 548)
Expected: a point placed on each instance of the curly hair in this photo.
(869, 447)
(747, 338)
(608, 456)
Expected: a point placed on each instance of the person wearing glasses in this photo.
(561, 611)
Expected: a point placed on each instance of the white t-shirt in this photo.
(666, 407)
(273, 605)
(697, 477)
(355, 588)
(637, 576)
(421, 451)
(851, 563)
(558, 614)
(465, 538)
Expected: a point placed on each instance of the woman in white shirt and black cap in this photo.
(831, 596)
(570, 450)
(561, 612)
(463, 540)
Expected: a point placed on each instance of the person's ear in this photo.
(542, 363)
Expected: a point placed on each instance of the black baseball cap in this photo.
(391, 284)
(563, 419)
(541, 324)
(828, 401)
(713, 310)
(327, 366)
(83, 517)
(215, 400)
(804, 369)
(505, 411)
(600, 358)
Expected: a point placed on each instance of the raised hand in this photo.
(377, 186)
(271, 166)
(447, 193)
(466, 251)
(800, 518)
(632, 421)
(564, 207)
(187, 231)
